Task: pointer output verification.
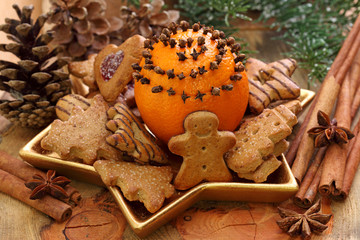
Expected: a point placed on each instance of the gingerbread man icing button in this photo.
(202, 147)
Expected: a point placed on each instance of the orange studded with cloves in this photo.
(186, 70)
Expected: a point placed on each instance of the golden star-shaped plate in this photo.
(280, 186)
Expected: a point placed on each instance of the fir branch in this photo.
(217, 13)
(314, 30)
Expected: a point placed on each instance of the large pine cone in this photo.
(147, 20)
(37, 80)
(81, 26)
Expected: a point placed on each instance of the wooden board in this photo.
(19, 221)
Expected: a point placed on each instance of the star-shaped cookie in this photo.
(83, 135)
(270, 82)
(202, 147)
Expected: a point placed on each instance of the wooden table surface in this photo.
(21, 222)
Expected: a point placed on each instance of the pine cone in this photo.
(37, 80)
(148, 20)
(80, 26)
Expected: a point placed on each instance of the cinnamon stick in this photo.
(325, 102)
(351, 167)
(345, 48)
(356, 103)
(25, 172)
(15, 187)
(312, 191)
(340, 75)
(299, 198)
(336, 154)
(355, 75)
(335, 66)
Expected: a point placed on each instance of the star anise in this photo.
(296, 223)
(49, 185)
(329, 131)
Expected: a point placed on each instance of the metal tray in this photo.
(280, 186)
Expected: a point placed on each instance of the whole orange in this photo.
(164, 100)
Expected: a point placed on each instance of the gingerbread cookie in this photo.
(130, 136)
(85, 71)
(147, 184)
(263, 171)
(270, 82)
(113, 66)
(202, 147)
(83, 135)
(257, 137)
(66, 104)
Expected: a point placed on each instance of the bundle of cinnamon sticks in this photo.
(333, 168)
(13, 175)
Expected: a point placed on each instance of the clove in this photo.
(230, 41)
(215, 35)
(172, 42)
(218, 58)
(181, 56)
(136, 67)
(201, 40)
(184, 25)
(239, 68)
(239, 58)
(167, 32)
(215, 91)
(235, 77)
(137, 76)
(145, 81)
(181, 76)
(157, 89)
(228, 87)
(189, 41)
(170, 73)
(196, 27)
(158, 70)
(170, 91)
(202, 70)
(182, 43)
(164, 39)
(214, 65)
(193, 73)
(199, 95)
(148, 44)
(184, 96)
(195, 54)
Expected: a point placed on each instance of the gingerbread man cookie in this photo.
(202, 147)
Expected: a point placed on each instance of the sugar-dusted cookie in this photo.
(83, 135)
(130, 136)
(113, 66)
(147, 184)
(270, 82)
(280, 147)
(85, 71)
(257, 137)
(263, 171)
(66, 104)
(202, 147)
